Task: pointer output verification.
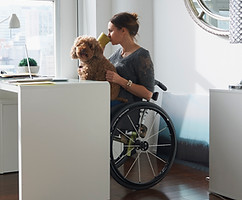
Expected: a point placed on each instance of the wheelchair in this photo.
(143, 144)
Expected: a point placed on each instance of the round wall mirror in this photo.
(211, 15)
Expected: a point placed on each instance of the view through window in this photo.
(36, 31)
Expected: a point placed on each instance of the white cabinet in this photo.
(8, 136)
(225, 148)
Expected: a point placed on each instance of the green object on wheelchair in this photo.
(131, 141)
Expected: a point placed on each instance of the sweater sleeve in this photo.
(145, 71)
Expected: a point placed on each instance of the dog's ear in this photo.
(73, 48)
(98, 50)
(73, 52)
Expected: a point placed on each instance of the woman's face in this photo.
(115, 34)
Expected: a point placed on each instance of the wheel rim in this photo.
(137, 160)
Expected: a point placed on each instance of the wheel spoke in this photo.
(117, 163)
(151, 166)
(152, 125)
(125, 135)
(120, 131)
(131, 167)
(132, 123)
(157, 157)
(131, 145)
(159, 145)
(129, 151)
(157, 133)
(139, 170)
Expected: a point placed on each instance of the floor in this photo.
(181, 183)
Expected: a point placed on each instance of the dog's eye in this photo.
(90, 46)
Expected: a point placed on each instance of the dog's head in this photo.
(85, 48)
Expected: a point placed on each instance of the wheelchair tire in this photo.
(143, 145)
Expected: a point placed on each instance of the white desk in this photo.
(225, 160)
(63, 140)
(8, 135)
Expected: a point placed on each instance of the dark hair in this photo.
(126, 20)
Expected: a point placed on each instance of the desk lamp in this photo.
(13, 22)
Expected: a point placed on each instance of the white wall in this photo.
(187, 58)
(144, 9)
(96, 14)
(190, 61)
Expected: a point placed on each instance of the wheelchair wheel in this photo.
(143, 145)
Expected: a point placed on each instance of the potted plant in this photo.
(23, 66)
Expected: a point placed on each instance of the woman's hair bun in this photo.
(135, 15)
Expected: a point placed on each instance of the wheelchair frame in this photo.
(142, 144)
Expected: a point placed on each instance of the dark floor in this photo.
(181, 183)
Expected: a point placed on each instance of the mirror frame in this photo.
(198, 17)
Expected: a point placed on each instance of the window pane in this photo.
(36, 31)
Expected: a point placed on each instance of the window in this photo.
(36, 31)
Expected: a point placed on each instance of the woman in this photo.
(135, 72)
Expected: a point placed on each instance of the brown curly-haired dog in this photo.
(92, 61)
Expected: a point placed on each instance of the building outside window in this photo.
(36, 31)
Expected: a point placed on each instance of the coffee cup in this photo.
(103, 39)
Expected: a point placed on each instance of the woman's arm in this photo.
(135, 89)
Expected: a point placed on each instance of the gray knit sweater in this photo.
(136, 67)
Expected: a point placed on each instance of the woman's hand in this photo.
(113, 77)
(135, 89)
